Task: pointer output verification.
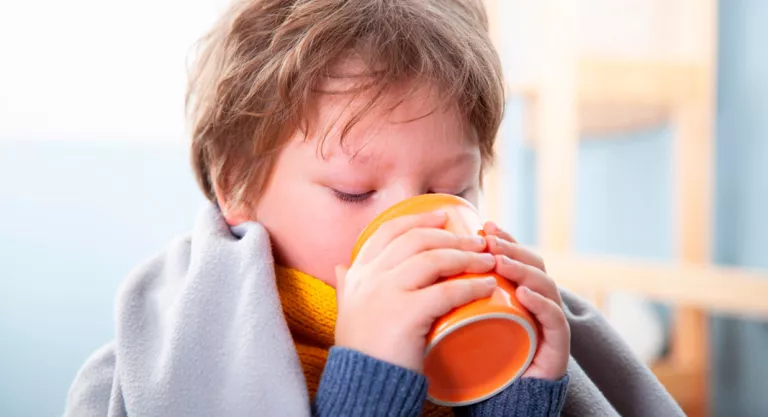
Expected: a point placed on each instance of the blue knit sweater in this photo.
(355, 384)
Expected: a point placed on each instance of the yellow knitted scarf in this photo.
(309, 306)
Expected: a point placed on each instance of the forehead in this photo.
(349, 127)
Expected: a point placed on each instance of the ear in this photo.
(234, 214)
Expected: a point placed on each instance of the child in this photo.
(310, 118)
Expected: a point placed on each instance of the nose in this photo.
(396, 194)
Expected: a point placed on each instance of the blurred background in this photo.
(634, 155)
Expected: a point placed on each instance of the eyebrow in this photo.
(365, 158)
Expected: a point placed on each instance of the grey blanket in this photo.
(200, 332)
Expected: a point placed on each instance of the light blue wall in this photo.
(74, 219)
(625, 196)
(741, 347)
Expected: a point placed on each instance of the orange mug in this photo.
(477, 350)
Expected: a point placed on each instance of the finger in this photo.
(441, 298)
(390, 230)
(556, 332)
(427, 267)
(516, 251)
(548, 314)
(420, 240)
(528, 276)
(491, 228)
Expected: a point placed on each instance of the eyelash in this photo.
(352, 198)
(362, 197)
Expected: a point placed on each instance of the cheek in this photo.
(309, 232)
(326, 246)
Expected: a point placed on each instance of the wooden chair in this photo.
(571, 91)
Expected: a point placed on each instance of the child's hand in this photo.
(386, 300)
(538, 293)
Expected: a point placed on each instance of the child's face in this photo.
(316, 205)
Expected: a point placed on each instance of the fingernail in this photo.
(479, 240)
(489, 282)
(440, 213)
(487, 258)
(507, 260)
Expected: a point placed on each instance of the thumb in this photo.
(341, 276)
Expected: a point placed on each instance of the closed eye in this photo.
(461, 194)
(352, 198)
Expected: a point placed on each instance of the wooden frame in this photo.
(730, 291)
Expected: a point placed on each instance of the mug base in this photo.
(477, 358)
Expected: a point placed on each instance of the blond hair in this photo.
(260, 65)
